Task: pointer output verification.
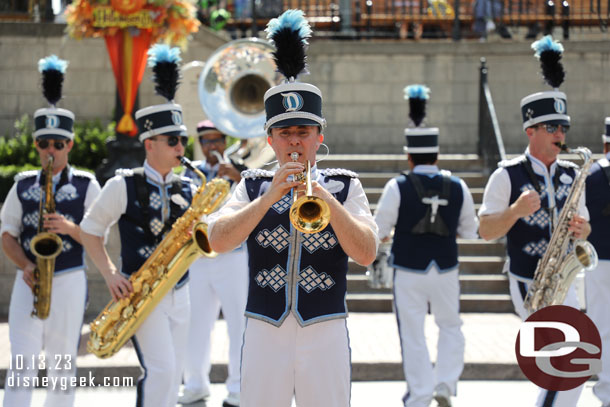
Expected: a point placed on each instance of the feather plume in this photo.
(289, 33)
(549, 52)
(52, 69)
(164, 62)
(417, 95)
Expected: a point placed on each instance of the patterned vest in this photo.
(598, 203)
(140, 230)
(418, 252)
(527, 240)
(289, 270)
(70, 193)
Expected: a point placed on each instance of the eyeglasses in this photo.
(44, 144)
(172, 141)
(552, 128)
(203, 141)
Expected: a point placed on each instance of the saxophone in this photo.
(560, 265)
(46, 246)
(183, 244)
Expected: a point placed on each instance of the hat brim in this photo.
(562, 122)
(52, 137)
(297, 121)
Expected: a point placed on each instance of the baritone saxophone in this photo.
(185, 242)
(564, 257)
(46, 246)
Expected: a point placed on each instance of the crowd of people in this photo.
(282, 290)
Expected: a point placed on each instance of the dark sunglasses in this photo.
(172, 141)
(44, 144)
(203, 141)
(552, 128)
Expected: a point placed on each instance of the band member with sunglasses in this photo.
(524, 196)
(215, 284)
(145, 202)
(296, 342)
(73, 191)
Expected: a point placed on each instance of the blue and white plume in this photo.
(164, 62)
(549, 52)
(52, 69)
(417, 95)
(290, 33)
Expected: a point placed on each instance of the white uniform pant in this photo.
(160, 344)
(412, 294)
(58, 336)
(216, 283)
(312, 363)
(569, 398)
(597, 290)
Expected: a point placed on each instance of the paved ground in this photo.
(364, 394)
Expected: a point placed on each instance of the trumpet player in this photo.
(296, 341)
(215, 284)
(73, 192)
(145, 202)
(525, 195)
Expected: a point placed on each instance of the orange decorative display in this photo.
(129, 28)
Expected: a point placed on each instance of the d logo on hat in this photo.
(292, 101)
(52, 122)
(560, 106)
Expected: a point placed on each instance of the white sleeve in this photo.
(11, 214)
(468, 223)
(239, 199)
(497, 193)
(107, 208)
(357, 205)
(93, 190)
(386, 214)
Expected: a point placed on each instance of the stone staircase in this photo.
(483, 286)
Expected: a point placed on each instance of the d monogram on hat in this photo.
(53, 122)
(550, 106)
(165, 118)
(291, 103)
(420, 139)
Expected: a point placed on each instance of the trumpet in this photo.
(308, 214)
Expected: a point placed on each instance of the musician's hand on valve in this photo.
(56, 223)
(579, 227)
(28, 274)
(119, 286)
(229, 171)
(527, 203)
(280, 184)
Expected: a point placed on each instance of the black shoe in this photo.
(533, 31)
(503, 32)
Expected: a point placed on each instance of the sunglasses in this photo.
(172, 141)
(204, 142)
(44, 144)
(552, 128)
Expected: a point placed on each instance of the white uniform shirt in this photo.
(112, 202)
(386, 214)
(12, 211)
(356, 203)
(497, 192)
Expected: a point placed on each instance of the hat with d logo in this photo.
(292, 103)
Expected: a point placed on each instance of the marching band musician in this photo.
(215, 283)
(73, 192)
(146, 202)
(428, 208)
(296, 341)
(524, 196)
(597, 282)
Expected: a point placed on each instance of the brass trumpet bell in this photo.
(309, 214)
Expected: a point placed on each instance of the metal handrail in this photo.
(491, 146)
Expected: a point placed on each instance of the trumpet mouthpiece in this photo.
(563, 147)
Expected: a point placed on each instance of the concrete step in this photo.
(373, 194)
(468, 265)
(469, 284)
(379, 179)
(398, 162)
(382, 302)
(479, 247)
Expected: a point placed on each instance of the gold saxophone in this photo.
(46, 246)
(161, 271)
(560, 265)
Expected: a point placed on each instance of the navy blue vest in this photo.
(419, 252)
(138, 244)
(70, 194)
(528, 239)
(598, 203)
(289, 270)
